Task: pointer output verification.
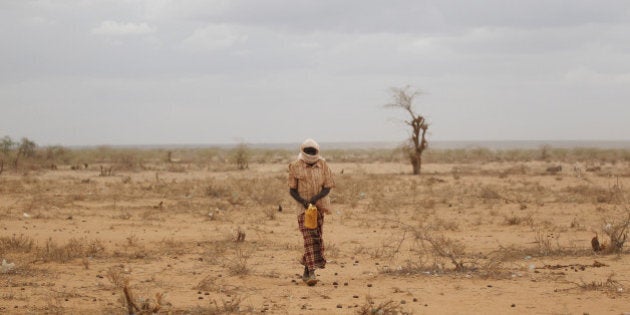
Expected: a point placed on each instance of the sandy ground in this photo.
(523, 237)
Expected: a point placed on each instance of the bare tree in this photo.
(26, 149)
(403, 98)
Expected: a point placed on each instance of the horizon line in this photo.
(438, 144)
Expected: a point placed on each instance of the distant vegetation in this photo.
(26, 155)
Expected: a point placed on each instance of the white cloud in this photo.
(121, 28)
(213, 37)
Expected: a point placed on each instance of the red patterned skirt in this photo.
(313, 243)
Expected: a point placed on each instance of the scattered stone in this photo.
(415, 299)
(345, 284)
(201, 297)
(489, 285)
(335, 283)
(355, 296)
(513, 305)
(369, 285)
(339, 306)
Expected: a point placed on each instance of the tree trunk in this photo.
(416, 162)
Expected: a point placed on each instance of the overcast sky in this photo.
(260, 71)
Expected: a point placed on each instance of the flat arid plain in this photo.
(106, 231)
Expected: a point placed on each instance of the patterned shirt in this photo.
(309, 181)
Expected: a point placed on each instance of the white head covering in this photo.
(310, 159)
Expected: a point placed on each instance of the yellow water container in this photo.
(310, 217)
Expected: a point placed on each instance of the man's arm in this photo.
(296, 195)
(321, 195)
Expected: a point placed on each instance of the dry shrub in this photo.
(75, 248)
(54, 304)
(170, 246)
(520, 169)
(232, 306)
(211, 284)
(348, 191)
(385, 308)
(443, 247)
(548, 243)
(587, 193)
(119, 277)
(217, 190)
(488, 193)
(444, 224)
(519, 220)
(610, 286)
(388, 249)
(617, 228)
(215, 250)
(16, 243)
(237, 265)
(257, 191)
(617, 231)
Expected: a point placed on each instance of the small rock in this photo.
(335, 283)
(201, 297)
(355, 296)
(369, 285)
(345, 283)
(415, 299)
(403, 302)
(339, 306)
(513, 305)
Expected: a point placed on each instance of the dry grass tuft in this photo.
(617, 231)
(119, 277)
(385, 308)
(16, 243)
(237, 266)
(610, 286)
(75, 248)
(233, 306)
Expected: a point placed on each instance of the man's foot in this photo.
(311, 279)
(305, 274)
